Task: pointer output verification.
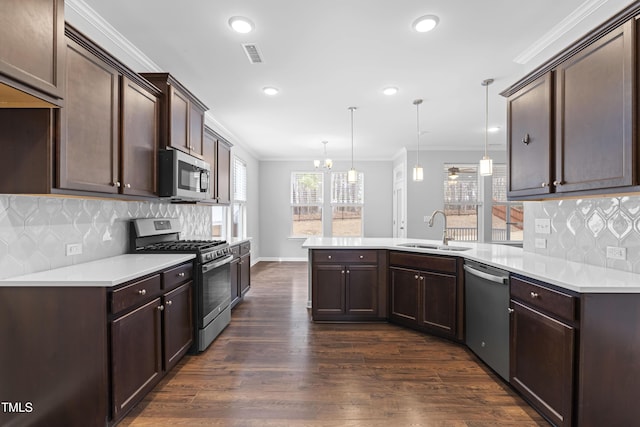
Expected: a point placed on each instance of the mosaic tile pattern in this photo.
(582, 229)
(34, 231)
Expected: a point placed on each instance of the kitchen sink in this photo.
(432, 246)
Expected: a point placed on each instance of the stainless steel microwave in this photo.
(183, 177)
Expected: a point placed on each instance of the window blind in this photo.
(344, 192)
(239, 180)
(306, 188)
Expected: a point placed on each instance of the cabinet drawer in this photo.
(424, 262)
(549, 300)
(135, 293)
(345, 256)
(175, 276)
(245, 248)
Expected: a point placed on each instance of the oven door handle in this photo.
(217, 263)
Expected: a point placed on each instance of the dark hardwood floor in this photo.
(274, 367)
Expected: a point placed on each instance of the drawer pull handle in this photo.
(361, 256)
(161, 308)
(169, 302)
(329, 256)
(510, 310)
(180, 274)
(142, 292)
(534, 295)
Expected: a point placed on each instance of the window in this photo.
(506, 217)
(219, 221)
(239, 205)
(461, 202)
(306, 203)
(347, 203)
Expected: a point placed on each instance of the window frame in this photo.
(239, 199)
(359, 202)
(319, 204)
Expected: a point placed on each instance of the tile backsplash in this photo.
(34, 231)
(581, 230)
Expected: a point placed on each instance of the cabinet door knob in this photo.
(557, 183)
(348, 271)
(534, 295)
(169, 302)
(342, 272)
(416, 277)
(526, 139)
(361, 256)
(180, 274)
(161, 308)
(544, 184)
(510, 310)
(329, 256)
(116, 184)
(142, 292)
(128, 185)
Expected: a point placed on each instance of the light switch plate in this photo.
(541, 243)
(543, 226)
(616, 252)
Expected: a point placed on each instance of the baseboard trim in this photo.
(283, 259)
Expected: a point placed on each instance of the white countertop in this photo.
(105, 272)
(578, 277)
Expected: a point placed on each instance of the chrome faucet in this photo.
(445, 238)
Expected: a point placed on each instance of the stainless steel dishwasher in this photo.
(487, 315)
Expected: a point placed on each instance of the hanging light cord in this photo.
(417, 103)
(352, 108)
(486, 118)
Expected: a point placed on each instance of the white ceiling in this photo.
(328, 55)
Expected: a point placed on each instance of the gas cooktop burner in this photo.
(184, 245)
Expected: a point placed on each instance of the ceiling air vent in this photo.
(252, 53)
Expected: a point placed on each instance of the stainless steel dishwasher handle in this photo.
(483, 275)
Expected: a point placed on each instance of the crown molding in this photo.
(99, 23)
(568, 23)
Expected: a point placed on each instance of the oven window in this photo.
(216, 291)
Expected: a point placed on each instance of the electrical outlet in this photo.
(74, 249)
(616, 252)
(543, 226)
(541, 243)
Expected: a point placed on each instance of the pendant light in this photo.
(352, 175)
(486, 164)
(418, 174)
(327, 163)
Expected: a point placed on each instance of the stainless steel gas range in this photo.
(212, 279)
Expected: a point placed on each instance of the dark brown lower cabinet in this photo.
(424, 300)
(178, 324)
(54, 356)
(240, 271)
(136, 356)
(542, 362)
(425, 293)
(347, 285)
(151, 328)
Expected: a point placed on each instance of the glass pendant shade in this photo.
(327, 163)
(418, 174)
(486, 166)
(316, 163)
(352, 176)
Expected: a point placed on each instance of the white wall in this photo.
(428, 195)
(275, 204)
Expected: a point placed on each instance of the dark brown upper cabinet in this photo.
(31, 52)
(594, 115)
(530, 145)
(217, 152)
(181, 115)
(572, 122)
(109, 125)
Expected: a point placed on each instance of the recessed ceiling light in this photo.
(390, 90)
(270, 90)
(494, 129)
(425, 23)
(241, 24)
